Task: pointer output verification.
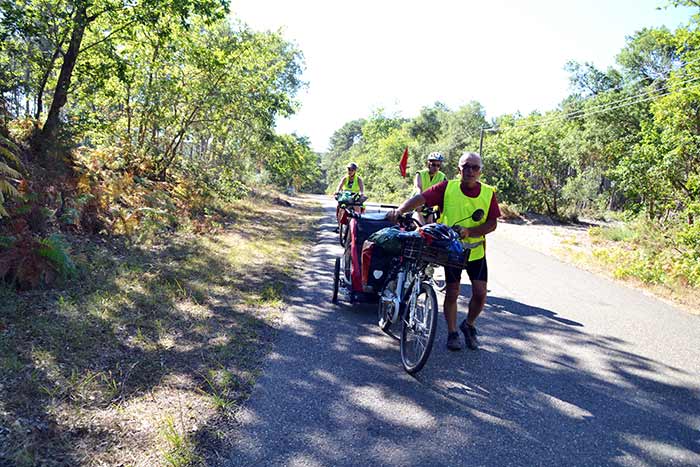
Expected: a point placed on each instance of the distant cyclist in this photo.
(426, 178)
(351, 182)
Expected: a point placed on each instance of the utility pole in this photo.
(481, 137)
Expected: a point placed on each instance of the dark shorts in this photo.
(477, 271)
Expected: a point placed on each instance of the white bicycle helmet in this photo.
(436, 156)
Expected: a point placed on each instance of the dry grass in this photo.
(144, 360)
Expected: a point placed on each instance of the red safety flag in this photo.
(404, 162)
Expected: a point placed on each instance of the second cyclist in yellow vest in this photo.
(459, 200)
(352, 182)
(427, 178)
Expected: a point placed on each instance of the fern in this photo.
(7, 173)
(10, 156)
(54, 249)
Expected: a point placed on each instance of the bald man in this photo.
(460, 202)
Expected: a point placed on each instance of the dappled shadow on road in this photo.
(498, 304)
(541, 391)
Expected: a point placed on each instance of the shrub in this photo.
(55, 249)
(509, 211)
(616, 233)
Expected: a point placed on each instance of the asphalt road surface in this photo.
(573, 370)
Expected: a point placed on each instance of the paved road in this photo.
(573, 370)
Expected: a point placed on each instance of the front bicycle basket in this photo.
(411, 247)
(444, 257)
(415, 248)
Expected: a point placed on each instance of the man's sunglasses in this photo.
(474, 167)
(438, 164)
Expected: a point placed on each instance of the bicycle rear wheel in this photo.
(418, 331)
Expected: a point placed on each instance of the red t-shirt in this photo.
(435, 196)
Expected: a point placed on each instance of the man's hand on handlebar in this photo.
(462, 231)
(392, 215)
(405, 220)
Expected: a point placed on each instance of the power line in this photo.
(621, 86)
(609, 105)
(628, 101)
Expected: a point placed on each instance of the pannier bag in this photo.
(360, 229)
(376, 263)
(388, 239)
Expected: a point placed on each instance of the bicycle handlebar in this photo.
(407, 221)
(356, 199)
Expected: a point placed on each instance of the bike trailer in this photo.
(360, 229)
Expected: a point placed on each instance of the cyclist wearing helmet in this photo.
(432, 175)
(352, 182)
(426, 178)
(460, 200)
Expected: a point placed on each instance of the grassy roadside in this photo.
(611, 251)
(143, 360)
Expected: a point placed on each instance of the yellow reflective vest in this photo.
(458, 209)
(425, 180)
(354, 186)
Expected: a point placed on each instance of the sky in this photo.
(361, 56)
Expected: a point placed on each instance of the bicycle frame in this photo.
(409, 276)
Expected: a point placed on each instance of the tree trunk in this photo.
(44, 80)
(50, 131)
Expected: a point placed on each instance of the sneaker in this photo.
(469, 332)
(453, 342)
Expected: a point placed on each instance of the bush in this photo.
(29, 263)
(55, 249)
(509, 211)
(616, 233)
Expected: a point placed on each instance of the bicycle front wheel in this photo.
(418, 330)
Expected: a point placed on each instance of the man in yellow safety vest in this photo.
(460, 201)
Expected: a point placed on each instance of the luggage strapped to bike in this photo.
(414, 248)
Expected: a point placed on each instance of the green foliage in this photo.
(426, 128)
(615, 233)
(6, 241)
(581, 193)
(661, 252)
(292, 163)
(164, 83)
(180, 450)
(55, 249)
(8, 175)
(229, 187)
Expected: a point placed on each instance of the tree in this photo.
(426, 128)
(111, 17)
